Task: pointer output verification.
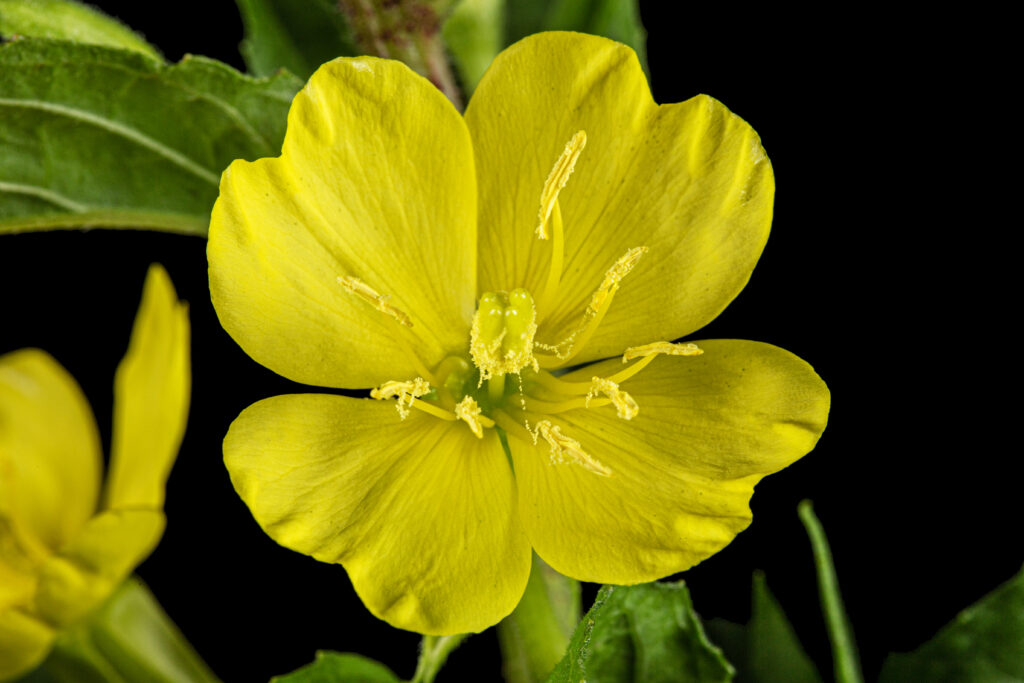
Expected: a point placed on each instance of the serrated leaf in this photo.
(647, 633)
(984, 643)
(68, 20)
(298, 35)
(615, 19)
(336, 667)
(93, 136)
(474, 34)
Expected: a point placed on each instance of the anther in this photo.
(667, 348)
(374, 298)
(405, 392)
(468, 411)
(595, 310)
(557, 179)
(564, 449)
(625, 405)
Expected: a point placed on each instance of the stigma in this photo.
(502, 336)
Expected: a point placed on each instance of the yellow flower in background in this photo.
(65, 544)
(456, 266)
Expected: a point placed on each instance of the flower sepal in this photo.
(129, 638)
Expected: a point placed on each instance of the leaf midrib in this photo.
(119, 129)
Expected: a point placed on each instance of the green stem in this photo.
(407, 30)
(844, 650)
(535, 636)
(129, 639)
(434, 651)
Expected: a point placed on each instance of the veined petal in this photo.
(95, 562)
(690, 181)
(151, 396)
(682, 471)
(419, 511)
(24, 642)
(375, 182)
(50, 460)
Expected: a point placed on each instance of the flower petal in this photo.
(95, 562)
(24, 642)
(17, 583)
(688, 180)
(709, 428)
(50, 460)
(151, 396)
(419, 511)
(375, 182)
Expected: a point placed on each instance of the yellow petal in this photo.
(17, 583)
(419, 511)
(690, 181)
(95, 562)
(375, 183)
(50, 459)
(24, 642)
(151, 396)
(682, 471)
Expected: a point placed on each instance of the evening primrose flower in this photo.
(457, 266)
(65, 545)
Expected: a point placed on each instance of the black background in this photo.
(886, 270)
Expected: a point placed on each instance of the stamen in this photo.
(405, 392)
(557, 179)
(667, 348)
(547, 295)
(649, 353)
(564, 448)
(375, 299)
(436, 411)
(553, 407)
(468, 411)
(600, 301)
(625, 405)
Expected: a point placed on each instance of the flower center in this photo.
(502, 343)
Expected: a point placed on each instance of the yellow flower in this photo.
(65, 545)
(455, 265)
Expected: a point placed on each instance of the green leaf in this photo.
(67, 20)
(129, 638)
(335, 667)
(846, 664)
(298, 35)
(647, 633)
(615, 19)
(766, 650)
(93, 136)
(774, 652)
(473, 33)
(984, 643)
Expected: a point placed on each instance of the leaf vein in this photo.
(45, 194)
(119, 129)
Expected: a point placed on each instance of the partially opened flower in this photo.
(455, 266)
(65, 542)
